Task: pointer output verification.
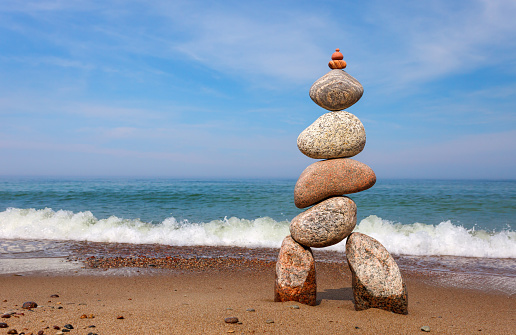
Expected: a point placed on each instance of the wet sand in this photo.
(196, 297)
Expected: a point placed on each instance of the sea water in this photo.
(437, 224)
(410, 217)
(461, 232)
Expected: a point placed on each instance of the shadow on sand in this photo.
(345, 293)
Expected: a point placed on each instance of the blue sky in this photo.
(220, 88)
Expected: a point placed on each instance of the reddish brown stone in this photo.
(337, 55)
(295, 274)
(337, 64)
(29, 305)
(332, 177)
(376, 278)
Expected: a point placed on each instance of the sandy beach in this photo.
(196, 300)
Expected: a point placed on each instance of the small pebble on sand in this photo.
(425, 329)
(231, 320)
(29, 305)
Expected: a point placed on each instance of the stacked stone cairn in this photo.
(334, 137)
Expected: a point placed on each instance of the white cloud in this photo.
(436, 39)
(281, 44)
(396, 43)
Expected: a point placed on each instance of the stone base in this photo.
(376, 278)
(364, 300)
(295, 274)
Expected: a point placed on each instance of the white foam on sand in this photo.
(55, 266)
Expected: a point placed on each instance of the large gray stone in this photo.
(295, 274)
(326, 223)
(376, 278)
(336, 90)
(333, 135)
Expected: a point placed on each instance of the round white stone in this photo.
(333, 135)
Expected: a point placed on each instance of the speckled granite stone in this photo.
(376, 278)
(333, 135)
(336, 90)
(333, 177)
(295, 274)
(326, 223)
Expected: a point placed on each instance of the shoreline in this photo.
(497, 276)
(196, 301)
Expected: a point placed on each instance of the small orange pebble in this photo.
(337, 61)
(337, 55)
(337, 64)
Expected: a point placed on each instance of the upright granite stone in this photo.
(376, 278)
(333, 177)
(333, 135)
(326, 223)
(336, 90)
(295, 274)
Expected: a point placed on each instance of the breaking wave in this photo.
(412, 239)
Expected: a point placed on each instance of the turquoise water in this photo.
(415, 217)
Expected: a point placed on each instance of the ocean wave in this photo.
(442, 239)
(412, 239)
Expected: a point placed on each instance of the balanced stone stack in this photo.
(335, 137)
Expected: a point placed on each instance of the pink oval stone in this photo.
(332, 177)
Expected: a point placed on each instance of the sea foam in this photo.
(412, 239)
